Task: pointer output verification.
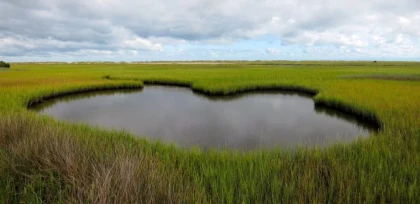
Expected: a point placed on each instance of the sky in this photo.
(163, 30)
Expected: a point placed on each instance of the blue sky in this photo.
(148, 30)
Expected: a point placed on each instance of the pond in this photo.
(180, 116)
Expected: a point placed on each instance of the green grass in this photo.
(43, 160)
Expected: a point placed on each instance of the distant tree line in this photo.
(4, 64)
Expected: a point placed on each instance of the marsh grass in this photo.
(400, 77)
(43, 160)
(50, 164)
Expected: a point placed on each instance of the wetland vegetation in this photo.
(46, 160)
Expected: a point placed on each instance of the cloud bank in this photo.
(133, 30)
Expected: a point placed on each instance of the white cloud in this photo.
(124, 38)
(272, 51)
(141, 43)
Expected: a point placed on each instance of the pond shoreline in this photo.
(369, 119)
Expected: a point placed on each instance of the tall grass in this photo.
(41, 163)
(43, 160)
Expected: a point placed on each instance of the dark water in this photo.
(174, 114)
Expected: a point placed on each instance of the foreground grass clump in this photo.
(43, 160)
(46, 164)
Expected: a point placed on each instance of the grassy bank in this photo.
(46, 160)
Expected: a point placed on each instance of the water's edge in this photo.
(368, 118)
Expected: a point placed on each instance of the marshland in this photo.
(46, 159)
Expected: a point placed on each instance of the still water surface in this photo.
(243, 122)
